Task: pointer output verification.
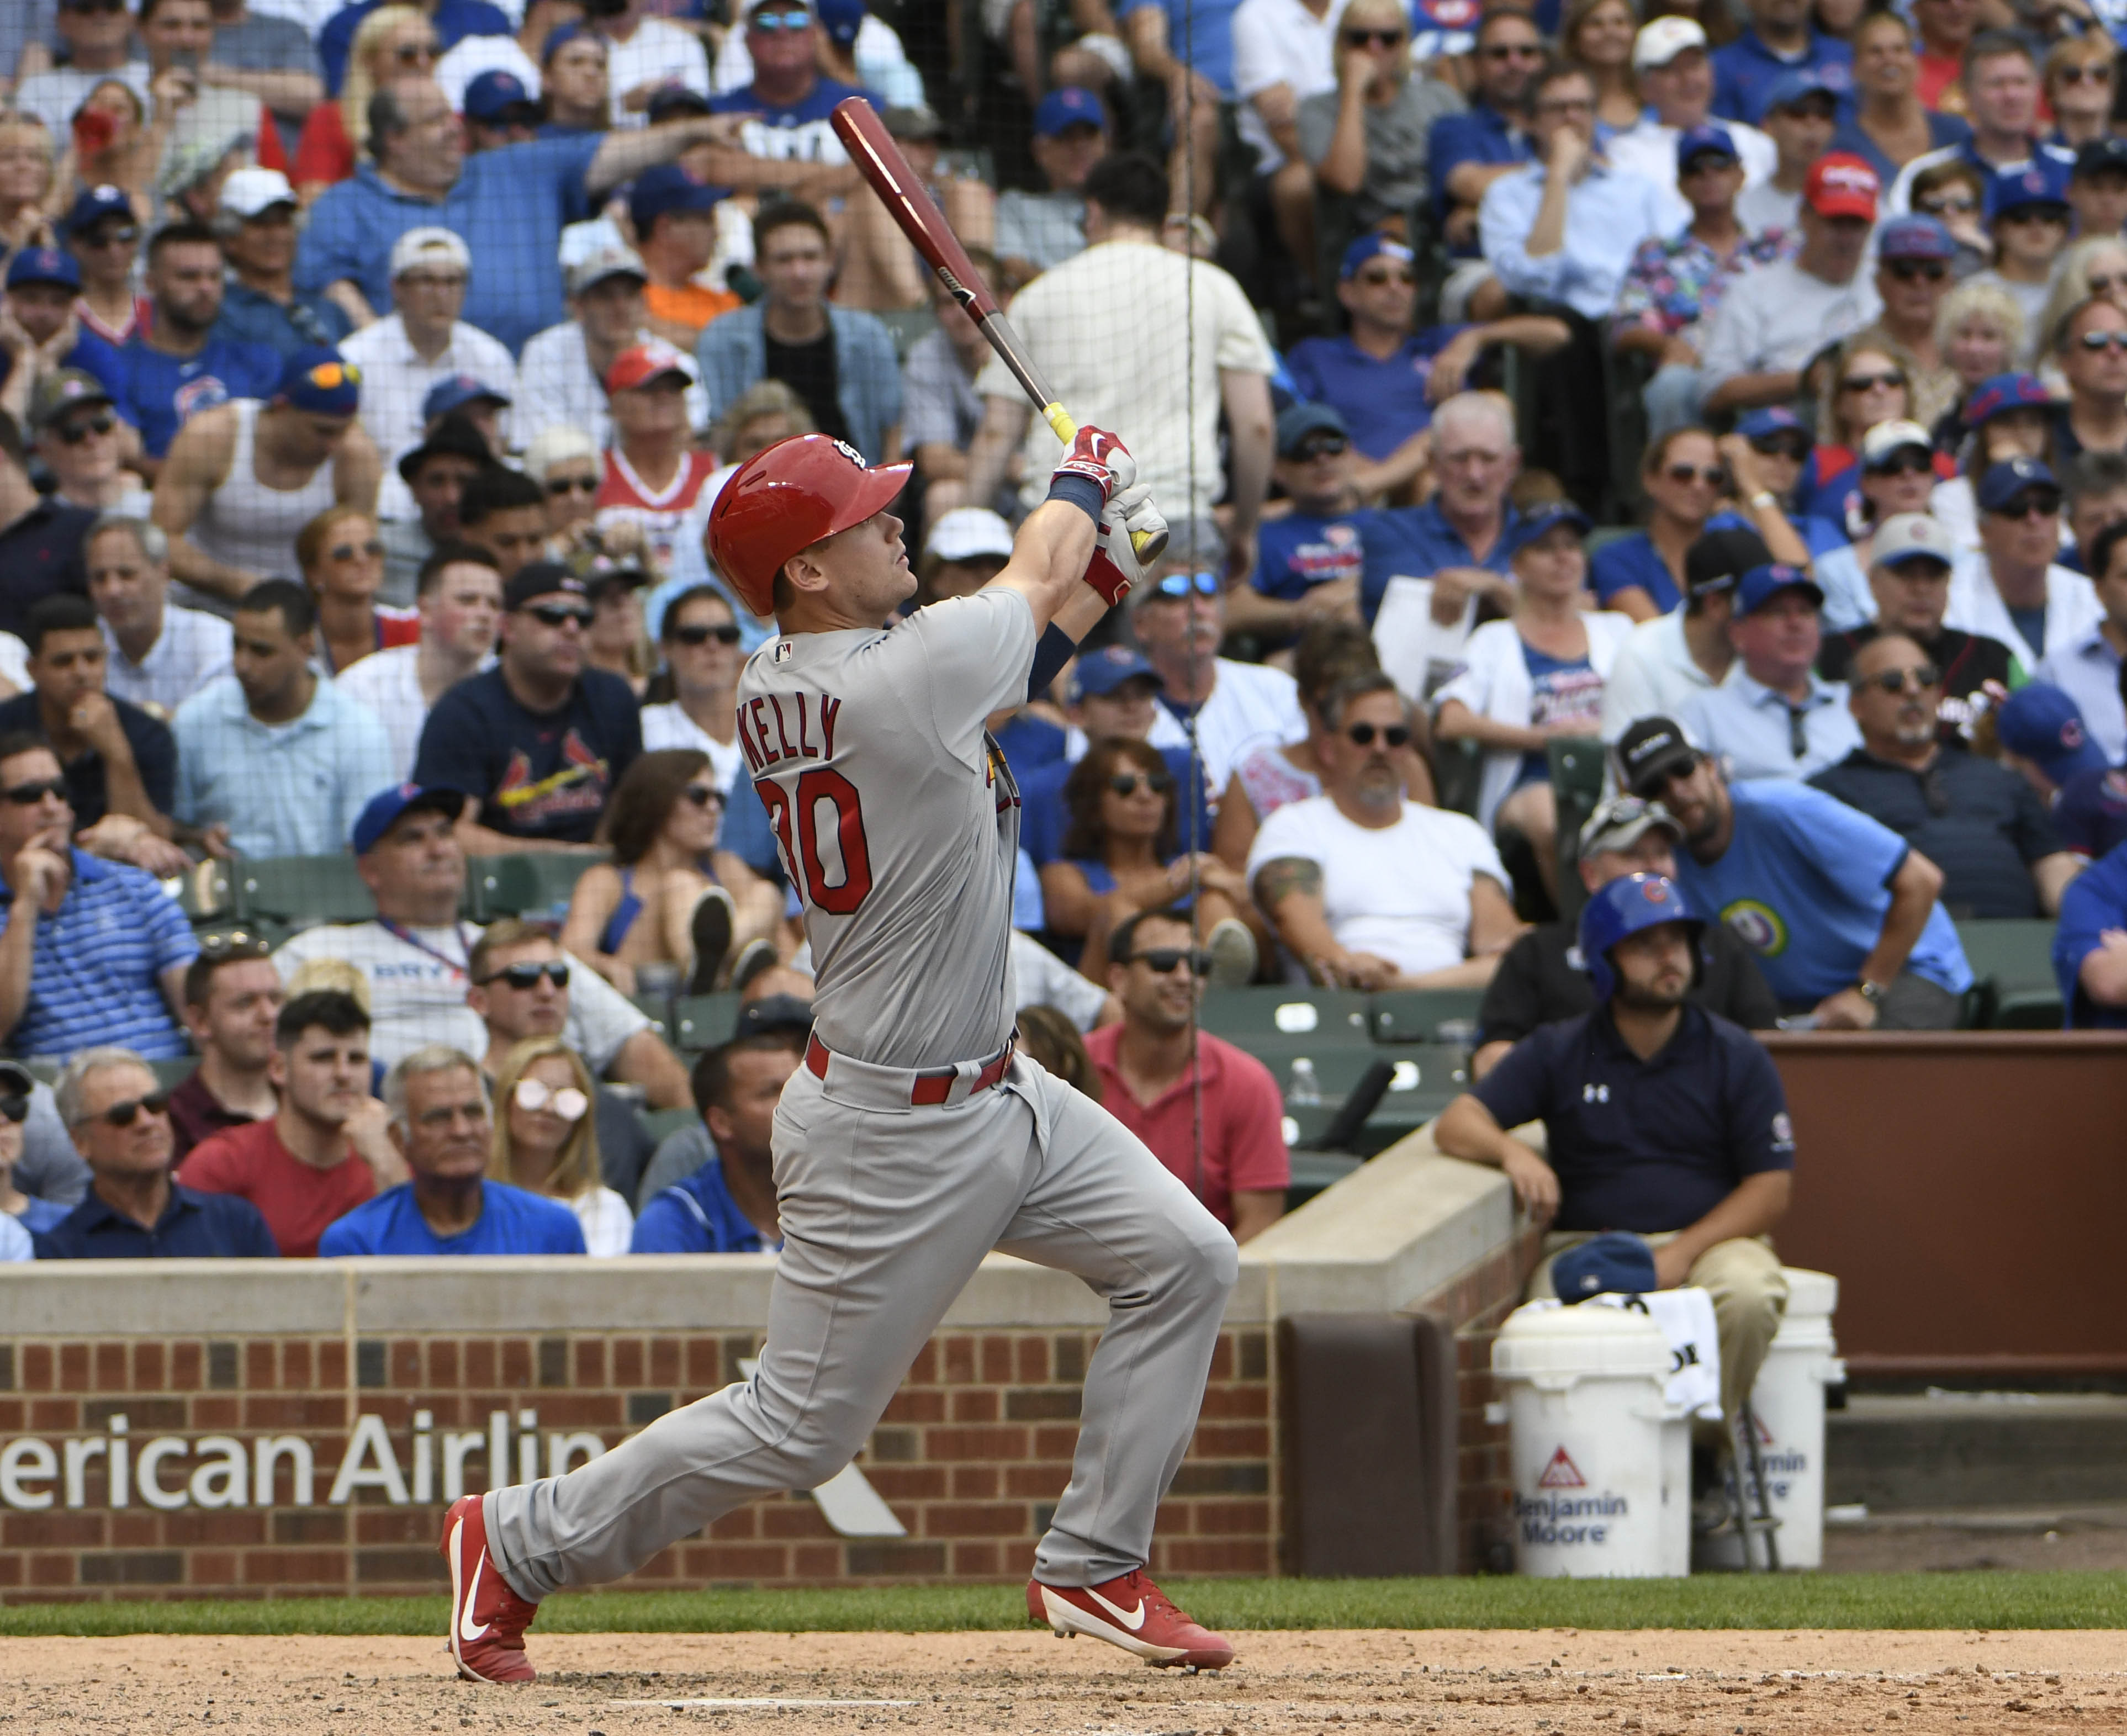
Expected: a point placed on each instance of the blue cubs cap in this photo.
(1099, 672)
(840, 19)
(1777, 419)
(43, 265)
(1296, 422)
(1371, 246)
(1796, 86)
(2004, 481)
(666, 188)
(1920, 237)
(316, 379)
(2001, 392)
(1616, 1261)
(93, 204)
(1759, 586)
(2040, 723)
(1705, 141)
(491, 97)
(1070, 105)
(563, 35)
(2041, 182)
(2102, 156)
(387, 807)
(456, 393)
(1544, 517)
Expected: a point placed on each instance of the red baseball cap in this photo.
(1841, 185)
(646, 362)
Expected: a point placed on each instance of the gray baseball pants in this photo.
(887, 1211)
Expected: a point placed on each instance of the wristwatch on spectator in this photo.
(1871, 992)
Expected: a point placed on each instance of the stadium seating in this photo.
(533, 884)
(2013, 967)
(702, 1021)
(302, 890)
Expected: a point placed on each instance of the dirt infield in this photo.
(1660, 1684)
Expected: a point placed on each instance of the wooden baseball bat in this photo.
(879, 160)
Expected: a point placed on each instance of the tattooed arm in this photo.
(1288, 889)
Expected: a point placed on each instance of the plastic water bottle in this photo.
(1303, 1089)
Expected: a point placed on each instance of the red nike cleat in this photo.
(1132, 1613)
(487, 1620)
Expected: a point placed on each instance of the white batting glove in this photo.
(1130, 515)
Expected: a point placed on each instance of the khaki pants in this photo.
(1749, 1295)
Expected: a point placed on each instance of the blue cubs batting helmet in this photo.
(1626, 906)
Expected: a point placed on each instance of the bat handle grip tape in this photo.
(1149, 545)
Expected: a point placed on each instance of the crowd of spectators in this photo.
(1743, 386)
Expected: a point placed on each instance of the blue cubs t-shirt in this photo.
(1561, 690)
(163, 392)
(1299, 551)
(1746, 70)
(793, 132)
(1805, 882)
(535, 774)
(2091, 812)
(697, 1216)
(511, 1221)
(1043, 818)
(1634, 559)
(2095, 900)
(1382, 400)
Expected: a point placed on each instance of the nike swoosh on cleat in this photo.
(466, 1632)
(1131, 1618)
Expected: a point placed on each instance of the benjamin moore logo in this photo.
(1561, 1472)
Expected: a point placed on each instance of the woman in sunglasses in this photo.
(565, 462)
(669, 896)
(341, 558)
(2011, 416)
(393, 42)
(1955, 192)
(1685, 483)
(545, 1141)
(2078, 80)
(1533, 679)
(1978, 334)
(2094, 267)
(1862, 382)
(1120, 854)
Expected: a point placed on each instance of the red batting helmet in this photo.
(788, 497)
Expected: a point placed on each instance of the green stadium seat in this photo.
(207, 892)
(1576, 787)
(539, 881)
(1458, 768)
(1301, 1015)
(170, 1075)
(657, 1009)
(1415, 1016)
(663, 1124)
(703, 1021)
(301, 890)
(2012, 964)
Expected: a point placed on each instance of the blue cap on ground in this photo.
(1709, 140)
(1615, 1262)
(2000, 392)
(1798, 86)
(1296, 421)
(666, 188)
(1919, 237)
(493, 94)
(2041, 182)
(1371, 246)
(1543, 517)
(1759, 586)
(93, 204)
(386, 807)
(317, 381)
(43, 265)
(2004, 481)
(1069, 104)
(1099, 672)
(1775, 418)
(2040, 723)
(457, 392)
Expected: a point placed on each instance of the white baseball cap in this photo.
(430, 245)
(1661, 39)
(1894, 436)
(1904, 535)
(967, 533)
(249, 192)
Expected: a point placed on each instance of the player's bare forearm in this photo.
(1048, 564)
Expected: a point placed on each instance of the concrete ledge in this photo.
(1399, 1228)
(159, 1299)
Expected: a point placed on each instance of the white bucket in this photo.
(1788, 1404)
(1597, 1458)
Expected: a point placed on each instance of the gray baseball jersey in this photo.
(898, 820)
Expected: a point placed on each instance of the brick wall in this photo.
(971, 1455)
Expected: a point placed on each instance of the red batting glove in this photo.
(1101, 459)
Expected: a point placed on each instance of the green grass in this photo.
(1996, 1601)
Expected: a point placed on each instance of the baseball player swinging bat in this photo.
(880, 162)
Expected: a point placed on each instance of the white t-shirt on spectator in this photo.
(1761, 205)
(1401, 893)
(1040, 978)
(53, 97)
(1252, 705)
(1774, 318)
(192, 648)
(389, 683)
(659, 52)
(395, 381)
(667, 726)
(1281, 42)
(417, 990)
(608, 1224)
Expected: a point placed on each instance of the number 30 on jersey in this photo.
(821, 786)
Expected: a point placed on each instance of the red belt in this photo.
(931, 1086)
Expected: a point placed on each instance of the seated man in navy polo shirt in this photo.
(441, 1122)
(727, 1206)
(1840, 910)
(1383, 377)
(1663, 1120)
(99, 954)
(119, 1119)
